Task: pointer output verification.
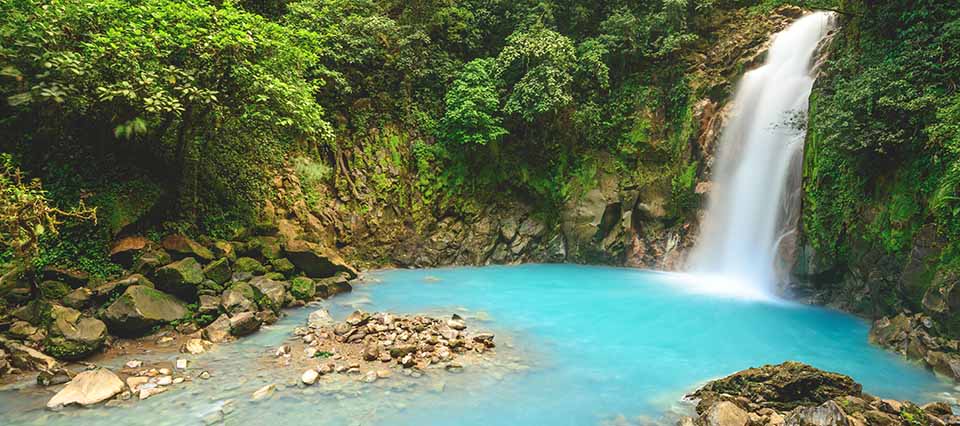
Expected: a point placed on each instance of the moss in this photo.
(61, 348)
(54, 290)
(303, 288)
(249, 264)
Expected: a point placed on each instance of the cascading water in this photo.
(754, 202)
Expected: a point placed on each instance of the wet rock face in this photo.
(316, 260)
(796, 394)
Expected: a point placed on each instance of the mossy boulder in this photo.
(148, 262)
(72, 335)
(181, 278)
(329, 287)
(108, 289)
(141, 308)
(780, 387)
(240, 297)
(218, 271)
(317, 261)
(224, 249)
(54, 290)
(78, 299)
(303, 288)
(283, 266)
(181, 246)
(274, 293)
(249, 264)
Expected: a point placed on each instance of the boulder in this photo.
(244, 323)
(88, 388)
(224, 249)
(826, 414)
(316, 260)
(181, 246)
(250, 265)
(274, 293)
(73, 336)
(148, 262)
(319, 319)
(219, 330)
(329, 287)
(240, 297)
(724, 414)
(303, 288)
(78, 299)
(218, 271)
(109, 288)
(141, 308)
(943, 363)
(781, 387)
(208, 304)
(181, 278)
(27, 358)
(283, 266)
(126, 250)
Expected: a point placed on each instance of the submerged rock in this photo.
(88, 388)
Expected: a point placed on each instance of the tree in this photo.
(472, 114)
(537, 67)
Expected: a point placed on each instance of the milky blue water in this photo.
(578, 346)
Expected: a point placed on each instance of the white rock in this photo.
(164, 371)
(88, 388)
(164, 380)
(134, 382)
(178, 380)
(319, 318)
(309, 377)
(194, 347)
(146, 392)
(181, 364)
(134, 364)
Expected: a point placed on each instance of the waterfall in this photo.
(755, 199)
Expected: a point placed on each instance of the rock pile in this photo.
(229, 287)
(796, 394)
(134, 382)
(365, 343)
(916, 337)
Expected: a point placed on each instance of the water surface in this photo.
(578, 346)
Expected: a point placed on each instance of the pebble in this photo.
(165, 380)
(264, 392)
(309, 377)
(204, 375)
(134, 364)
(181, 364)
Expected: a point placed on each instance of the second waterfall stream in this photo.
(755, 198)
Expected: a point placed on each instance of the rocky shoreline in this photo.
(796, 394)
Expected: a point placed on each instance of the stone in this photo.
(319, 319)
(303, 288)
(88, 388)
(264, 392)
(78, 298)
(134, 382)
(218, 271)
(219, 330)
(456, 323)
(244, 323)
(371, 351)
(356, 318)
(74, 336)
(939, 409)
(337, 284)
(317, 261)
(370, 377)
(140, 308)
(209, 305)
(110, 288)
(944, 363)
(128, 249)
(164, 381)
(181, 363)
(249, 264)
(240, 297)
(146, 391)
(181, 278)
(283, 266)
(826, 414)
(274, 293)
(724, 413)
(54, 377)
(134, 364)
(782, 387)
(194, 347)
(148, 262)
(181, 246)
(309, 377)
(27, 358)
(25, 331)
